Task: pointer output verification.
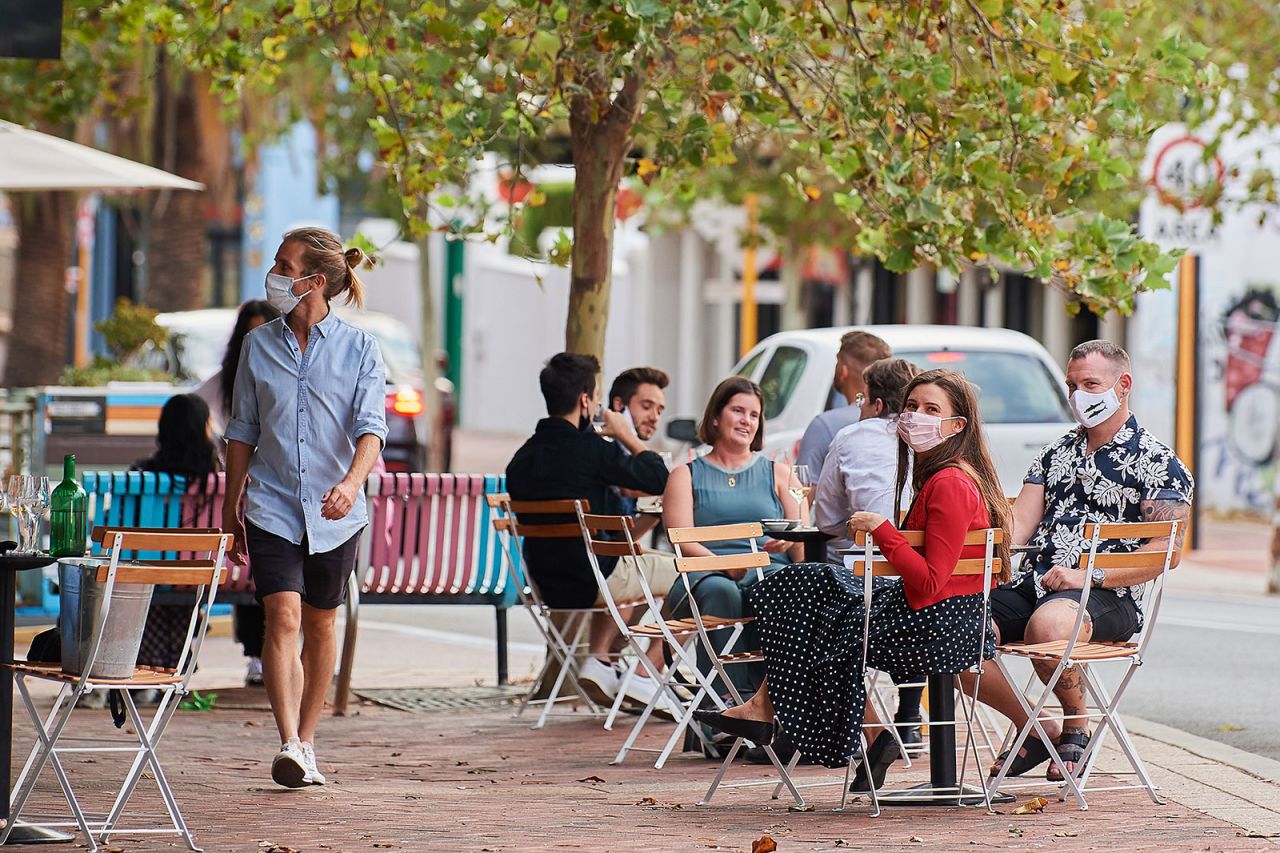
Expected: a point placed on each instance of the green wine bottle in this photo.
(68, 513)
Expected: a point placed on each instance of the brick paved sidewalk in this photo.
(479, 780)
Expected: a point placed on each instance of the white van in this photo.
(1022, 392)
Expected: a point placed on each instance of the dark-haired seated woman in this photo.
(810, 618)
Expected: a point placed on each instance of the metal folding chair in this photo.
(679, 635)
(754, 559)
(564, 630)
(1084, 655)
(203, 574)
(868, 564)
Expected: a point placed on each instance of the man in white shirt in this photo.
(858, 350)
(859, 472)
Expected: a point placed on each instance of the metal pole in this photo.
(747, 313)
(1186, 410)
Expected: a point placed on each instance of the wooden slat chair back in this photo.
(915, 538)
(1080, 656)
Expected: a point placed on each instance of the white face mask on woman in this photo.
(1092, 408)
(280, 293)
(922, 431)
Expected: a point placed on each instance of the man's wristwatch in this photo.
(1098, 577)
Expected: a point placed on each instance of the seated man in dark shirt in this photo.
(565, 458)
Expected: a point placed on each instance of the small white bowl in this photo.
(778, 525)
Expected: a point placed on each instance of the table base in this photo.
(927, 795)
(25, 833)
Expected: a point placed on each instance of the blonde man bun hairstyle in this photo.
(322, 252)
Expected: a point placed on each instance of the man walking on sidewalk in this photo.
(307, 424)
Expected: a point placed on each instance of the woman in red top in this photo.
(809, 615)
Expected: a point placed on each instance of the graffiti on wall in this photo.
(1242, 425)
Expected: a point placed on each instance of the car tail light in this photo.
(945, 357)
(406, 401)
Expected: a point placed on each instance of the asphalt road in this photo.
(1213, 668)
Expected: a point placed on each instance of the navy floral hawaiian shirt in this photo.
(1107, 485)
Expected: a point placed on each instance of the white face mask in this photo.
(1092, 408)
(922, 431)
(280, 293)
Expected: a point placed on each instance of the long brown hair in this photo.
(966, 450)
(708, 432)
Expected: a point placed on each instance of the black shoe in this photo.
(879, 756)
(911, 735)
(761, 734)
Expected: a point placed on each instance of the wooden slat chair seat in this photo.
(1073, 652)
(114, 567)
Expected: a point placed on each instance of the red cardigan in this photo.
(948, 507)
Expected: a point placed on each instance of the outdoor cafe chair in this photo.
(679, 635)
(52, 743)
(564, 630)
(753, 559)
(1085, 655)
(865, 561)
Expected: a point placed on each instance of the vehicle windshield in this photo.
(1013, 387)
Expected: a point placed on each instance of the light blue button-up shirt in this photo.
(304, 412)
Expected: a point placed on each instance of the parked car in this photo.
(198, 339)
(1022, 392)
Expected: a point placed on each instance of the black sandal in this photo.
(1037, 754)
(1071, 747)
(758, 732)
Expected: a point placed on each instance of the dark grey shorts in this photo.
(278, 565)
(1115, 619)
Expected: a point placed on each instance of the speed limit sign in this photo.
(1182, 173)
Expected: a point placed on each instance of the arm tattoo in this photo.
(1165, 510)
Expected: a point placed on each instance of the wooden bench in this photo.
(430, 540)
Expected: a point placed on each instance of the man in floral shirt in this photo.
(1107, 470)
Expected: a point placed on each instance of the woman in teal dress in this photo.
(732, 483)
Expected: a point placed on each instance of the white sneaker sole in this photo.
(288, 772)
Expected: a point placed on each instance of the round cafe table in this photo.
(815, 541)
(9, 566)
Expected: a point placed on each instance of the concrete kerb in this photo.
(1221, 781)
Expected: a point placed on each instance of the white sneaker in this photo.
(253, 673)
(642, 689)
(599, 680)
(314, 776)
(289, 767)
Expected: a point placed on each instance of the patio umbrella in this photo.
(30, 160)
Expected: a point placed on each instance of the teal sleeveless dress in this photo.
(751, 498)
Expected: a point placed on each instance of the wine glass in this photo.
(21, 496)
(801, 484)
(40, 507)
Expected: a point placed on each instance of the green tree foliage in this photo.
(942, 131)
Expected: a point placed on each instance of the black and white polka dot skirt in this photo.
(810, 621)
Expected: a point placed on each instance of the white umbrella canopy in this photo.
(30, 160)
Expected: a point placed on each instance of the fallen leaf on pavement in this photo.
(1034, 806)
(807, 807)
(1066, 833)
(1015, 831)
(915, 839)
(1229, 728)
(764, 844)
(269, 847)
(840, 842)
(1255, 833)
(592, 779)
(476, 770)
